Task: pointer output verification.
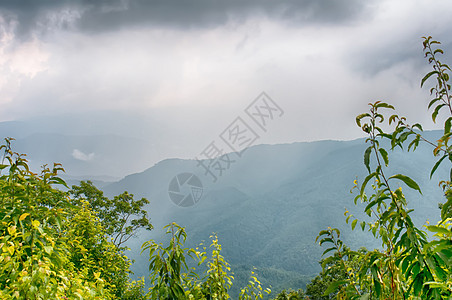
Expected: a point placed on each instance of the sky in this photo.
(185, 70)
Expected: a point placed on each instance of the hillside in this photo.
(268, 208)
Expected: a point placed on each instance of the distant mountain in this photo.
(102, 143)
(82, 124)
(269, 206)
(101, 157)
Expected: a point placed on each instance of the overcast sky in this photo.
(194, 66)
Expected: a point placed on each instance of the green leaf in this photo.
(438, 51)
(366, 180)
(433, 102)
(435, 113)
(393, 118)
(363, 225)
(417, 125)
(327, 261)
(384, 105)
(384, 154)
(48, 249)
(427, 77)
(433, 284)
(440, 230)
(354, 223)
(325, 240)
(404, 136)
(447, 125)
(365, 297)
(58, 180)
(408, 181)
(367, 157)
(371, 204)
(337, 232)
(414, 143)
(322, 232)
(442, 275)
(328, 250)
(333, 287)
(377, 286)
(418, 283)
(437, 165)
(360, 117)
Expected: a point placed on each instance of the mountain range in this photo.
(271, 203)
(267, 204)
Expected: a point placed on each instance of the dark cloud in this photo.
(102, 15)
(372, 59)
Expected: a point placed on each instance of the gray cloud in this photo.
(94, 16)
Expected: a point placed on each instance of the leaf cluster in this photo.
(49, 248)
(121, 216)
(409, 265)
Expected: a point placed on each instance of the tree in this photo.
(93, 254)
(331, 272)
(122, 216)
(49, 248)
(35, 261)
(409, 265)
(291, 295)
(217, 280)
(167, 265)
(253, 290)
(172, 279)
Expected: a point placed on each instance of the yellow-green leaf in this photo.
(23, 216)
(354, 224)
(35, 223)
(12, 230)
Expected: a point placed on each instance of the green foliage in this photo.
(333, 271)
(291, 295)
(135, 290)
(217, 280)
(409, 265)
(93, 253)
(49, 248)
(171, 278)
(339, 276)
(121, 216)
(253, 290)
(167, 264)
(35, 261)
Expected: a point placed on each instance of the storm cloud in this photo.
(99, 16)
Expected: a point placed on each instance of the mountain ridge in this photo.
(270, 205)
